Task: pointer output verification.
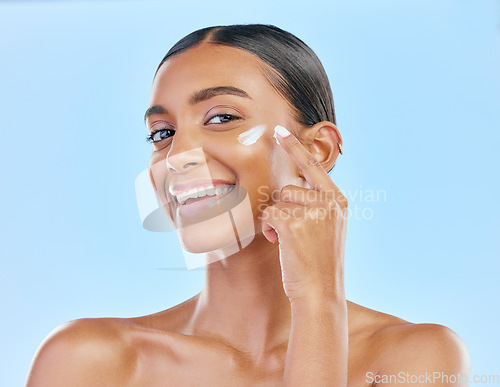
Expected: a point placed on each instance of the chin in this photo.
(206, 236)
(223, 233)
(218, 235)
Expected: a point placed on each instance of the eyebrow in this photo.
(200, 96)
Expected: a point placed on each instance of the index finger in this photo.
(314, 173)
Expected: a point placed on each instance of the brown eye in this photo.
(160, 135)
(222, 118)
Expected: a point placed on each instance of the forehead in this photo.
(209, 65)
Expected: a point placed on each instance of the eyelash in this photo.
(149, 138)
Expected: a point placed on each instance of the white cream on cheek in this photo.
(250, 136)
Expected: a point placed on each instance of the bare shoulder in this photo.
(84, 352)
(403, 349)
(426, 345)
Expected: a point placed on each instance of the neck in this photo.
(243, 302)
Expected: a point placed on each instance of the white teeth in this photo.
(199, 192)
(221, 191)
(211, 191)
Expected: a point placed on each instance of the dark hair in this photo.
(298, 75)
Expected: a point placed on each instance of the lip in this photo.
(200, 211)
(176, 189)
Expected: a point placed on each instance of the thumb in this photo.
(271, 223)
(270, 233)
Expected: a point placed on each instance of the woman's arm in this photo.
(318, 345)
(310, 225)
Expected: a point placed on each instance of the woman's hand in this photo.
(310, 225)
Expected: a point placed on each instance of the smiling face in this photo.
(204, 101)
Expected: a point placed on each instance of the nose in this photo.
(184, 155)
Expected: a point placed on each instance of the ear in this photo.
(322, 141)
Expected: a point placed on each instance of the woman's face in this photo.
(197, 145)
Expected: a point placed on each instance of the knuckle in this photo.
(331, 206)
(286, 192)
(287, 187)
(322, 214)
(293, 141)
(283, 215)
(342, 200)
(313, 213)
(294, 226)
(313, 162)
(279, 205)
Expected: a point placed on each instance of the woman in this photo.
(272, 310)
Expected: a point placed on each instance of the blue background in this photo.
(415, 85)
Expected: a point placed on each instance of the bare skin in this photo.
(267, 315)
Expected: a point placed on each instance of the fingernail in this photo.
(276, 138)
(283, 132)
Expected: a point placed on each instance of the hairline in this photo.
(270, 73)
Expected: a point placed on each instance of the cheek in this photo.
(262, 163)
(158, 175)
(259, 166)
